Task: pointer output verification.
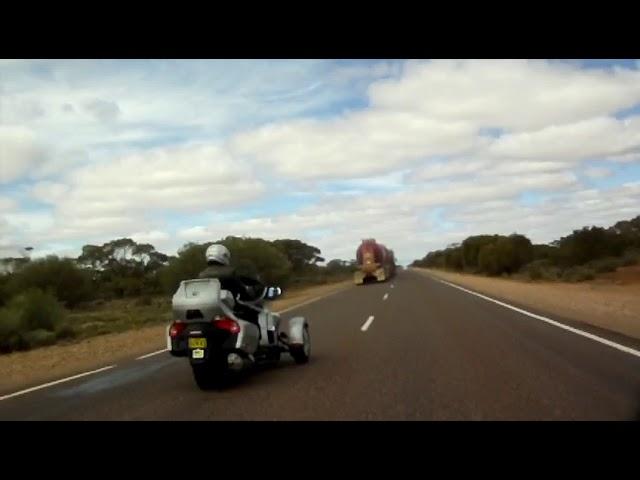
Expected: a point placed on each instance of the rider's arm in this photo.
(255, 289)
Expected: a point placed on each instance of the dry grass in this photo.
(611, 301)
(21, 369)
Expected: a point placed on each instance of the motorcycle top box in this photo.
(200, 299)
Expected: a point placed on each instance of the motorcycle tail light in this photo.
(225, 323)
(177, 328)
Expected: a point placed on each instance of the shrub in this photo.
(38, 310)
(578, 274)
(39, 338)
(10, 331)
(631, 257)
(541, 270)
(31, 319)
(144, 301)
(65, 331)
(605, 265)
(60, 276)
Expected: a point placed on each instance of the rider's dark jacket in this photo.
(238, 282)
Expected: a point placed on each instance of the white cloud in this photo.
(593, 138)
(20, 152)
(340, 230)
(512, 94)
(122, 195)
(598, 172)
(150, 236)
(360, 144)
(7, 204)
(436, 110)
(103, 110)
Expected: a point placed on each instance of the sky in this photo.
(415, 153)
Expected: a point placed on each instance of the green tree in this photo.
(123, 267)
(453, 258)
(260, 257)
(298, 253)
(488, 260)
(471, 247)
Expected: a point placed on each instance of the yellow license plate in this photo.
(197, 343)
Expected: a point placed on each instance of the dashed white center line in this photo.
(386, 295)
(392, 285)
(367, 323)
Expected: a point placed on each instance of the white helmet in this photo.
(218, 253)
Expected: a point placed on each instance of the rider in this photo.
(243, 285)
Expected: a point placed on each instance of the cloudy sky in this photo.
(417, 154)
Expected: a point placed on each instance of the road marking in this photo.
(392, 285)
(604, 341)
(312, 300)
(386, 295)
(152, 354)
(22, 392)
(367, 323)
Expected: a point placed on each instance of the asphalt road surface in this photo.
(412, 348)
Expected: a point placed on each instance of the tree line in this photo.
(35, 294)
(575, 257)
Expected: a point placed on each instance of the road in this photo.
(430, 352)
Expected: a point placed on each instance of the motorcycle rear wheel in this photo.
(209, 375)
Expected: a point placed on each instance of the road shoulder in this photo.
(610, 311)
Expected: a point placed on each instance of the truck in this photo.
(375, 262)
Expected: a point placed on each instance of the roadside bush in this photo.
(631, 257)
(40, 338)
(541, 270)
(31, 319)
(38, 310)
(4, 289)
(10, 331)
(144, 301)
(578, 274)
(65, 331)
(68, 283)
(605, 265)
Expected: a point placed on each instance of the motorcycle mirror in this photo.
(273, 292)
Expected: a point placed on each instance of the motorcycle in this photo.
(218, 343)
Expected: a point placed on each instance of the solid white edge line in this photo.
(596, 338)
(22, 392)
(367, 323)
(386, 295)
(152, 354)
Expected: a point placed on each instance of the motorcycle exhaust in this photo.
(236, 362)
